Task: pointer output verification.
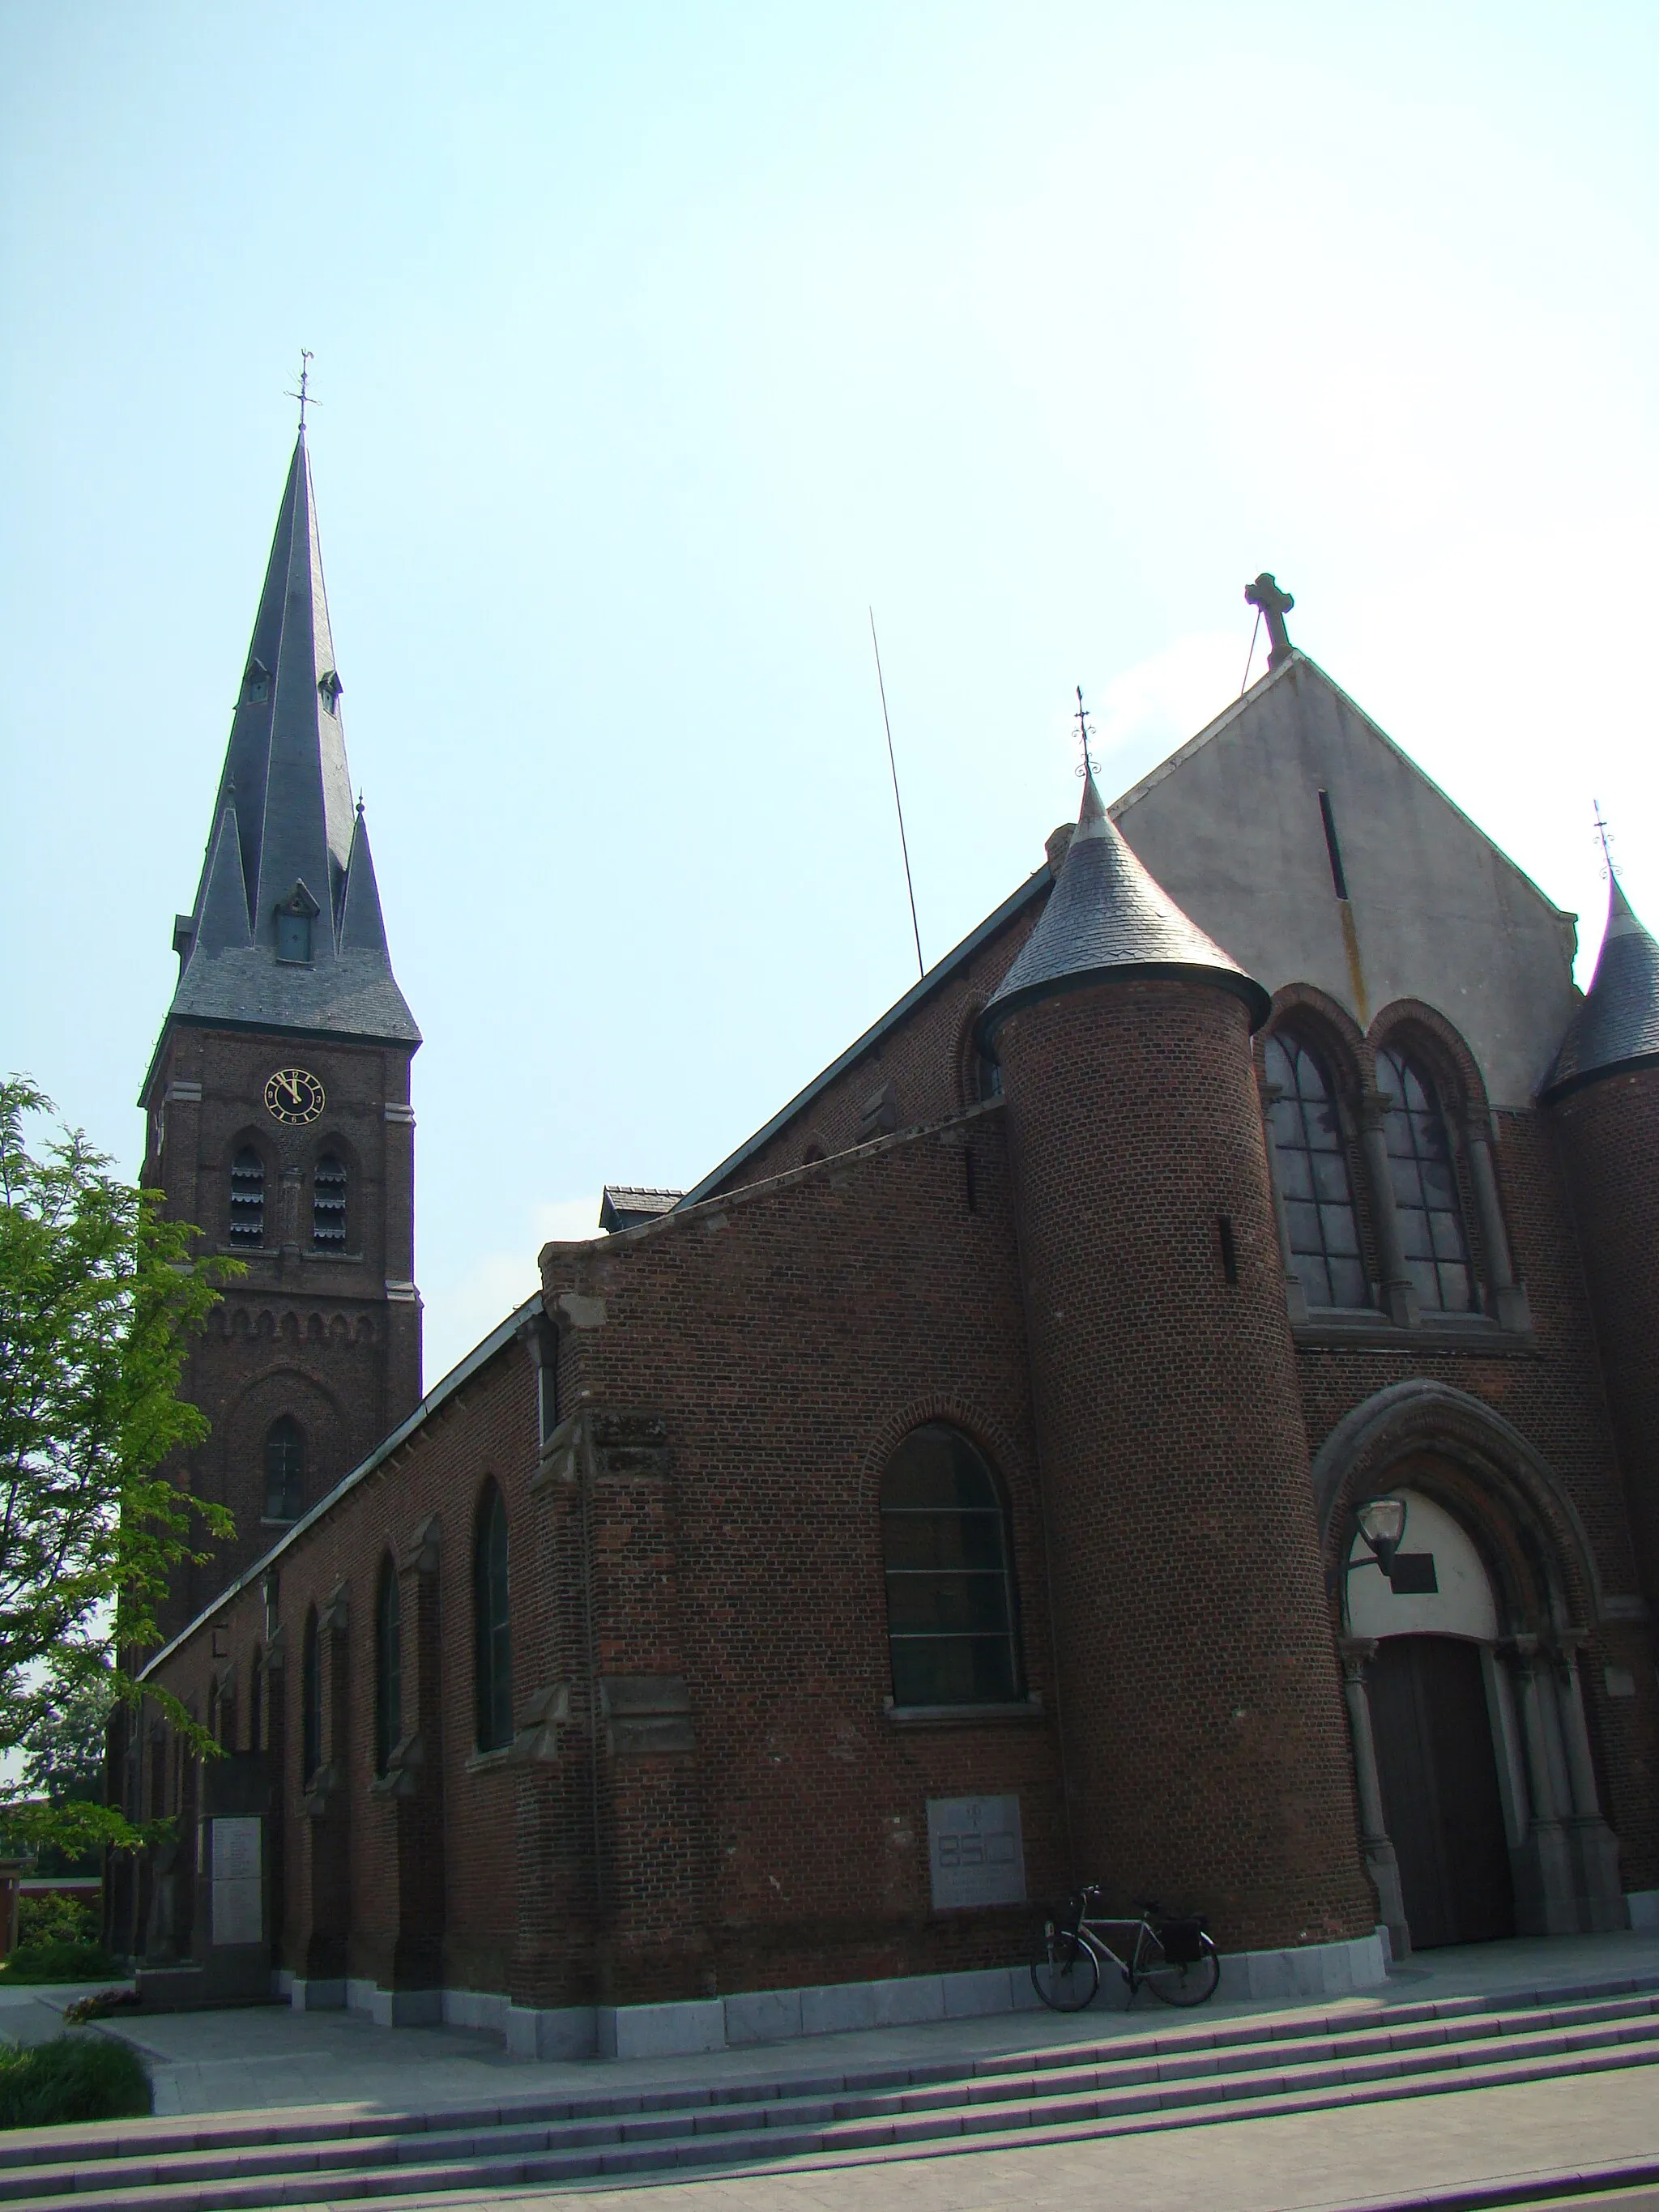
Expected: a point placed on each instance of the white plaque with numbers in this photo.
(974, 1853)
(237, 1913)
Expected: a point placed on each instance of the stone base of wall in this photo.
(763, 2016)
(766, 2016)
(1642, 1905)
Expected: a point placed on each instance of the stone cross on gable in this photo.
(1273, 605)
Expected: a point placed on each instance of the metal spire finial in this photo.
(303, 394)
(1081, 718)
(1609, 865)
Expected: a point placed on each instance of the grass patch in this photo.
(76, 2077)
(58, 1962)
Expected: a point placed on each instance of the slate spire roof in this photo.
(1106, 916)
(286, 842)
(1618, 1025)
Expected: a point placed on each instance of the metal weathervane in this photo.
(1081, 718)
(303, 394)
(1604, 838)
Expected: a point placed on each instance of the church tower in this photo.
(277, 1104)
(1205, 1756)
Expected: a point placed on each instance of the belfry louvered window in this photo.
(1424, 1187)
(1312, 1163)
(951, 1625)
(247, 1197)
(328, 1204)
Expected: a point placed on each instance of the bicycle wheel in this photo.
(1065, 1972)
(1177, 1981)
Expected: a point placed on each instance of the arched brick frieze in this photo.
(1487, 1475)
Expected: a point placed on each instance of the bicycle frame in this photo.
(1088, 1932)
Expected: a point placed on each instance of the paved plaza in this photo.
(341, 2067)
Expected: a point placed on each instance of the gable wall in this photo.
(1231, 828)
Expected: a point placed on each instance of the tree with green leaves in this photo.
(99, 1298)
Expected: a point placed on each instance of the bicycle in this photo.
(1170, 1955)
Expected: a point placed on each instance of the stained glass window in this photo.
(1312, 1163)
(950, 1588)
(1424, 1187)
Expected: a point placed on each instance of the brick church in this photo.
(1174, 1404)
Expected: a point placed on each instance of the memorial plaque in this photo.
(974, 1853)
(238, 1899)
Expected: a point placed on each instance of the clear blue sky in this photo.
(652, 343)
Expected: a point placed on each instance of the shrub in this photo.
(58, 1962)
(56, 1920)
(76, 2077)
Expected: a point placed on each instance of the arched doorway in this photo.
(1493, 1590)
(1440, 1725)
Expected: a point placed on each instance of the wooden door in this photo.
(1440, 1799)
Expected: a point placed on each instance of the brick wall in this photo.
(311, 1336)
(1206, 1754)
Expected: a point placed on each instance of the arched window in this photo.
(285, 1469)
(328, 1204)
(492, 1654)
(1425, 1186)
(247, 1197)
(388, 1669)
(311, 1701)
(1312, 1163)
(950, 1588)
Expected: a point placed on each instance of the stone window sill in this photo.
(1365, 1330)
(332, 1259)
(1023, 1709)
(274, 1521)
(487, 1762)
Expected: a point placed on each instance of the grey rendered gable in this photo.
(1230, 825)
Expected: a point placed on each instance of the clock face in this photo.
(292, 1094)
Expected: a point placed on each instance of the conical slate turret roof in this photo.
(285, 838)
(1106, 917)
(1618, 1025)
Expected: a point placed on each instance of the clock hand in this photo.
(293, 1090)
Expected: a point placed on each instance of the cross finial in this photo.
(303, 395)
(1609, 866)
(1273, 604)
(1081, 718)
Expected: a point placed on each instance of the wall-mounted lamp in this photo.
(1382, 1527)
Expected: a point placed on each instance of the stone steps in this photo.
(1192, 2074)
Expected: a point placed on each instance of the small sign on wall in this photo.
(974, 1853)
(238, 1900)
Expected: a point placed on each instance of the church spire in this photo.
(284, 805)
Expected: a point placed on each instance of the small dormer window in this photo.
(294, 937)
(294, 918)
(256, 684)
(328, 688)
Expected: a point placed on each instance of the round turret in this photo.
(1206, 1757)
(1604, 1091)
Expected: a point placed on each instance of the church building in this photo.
(1172, 1404)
